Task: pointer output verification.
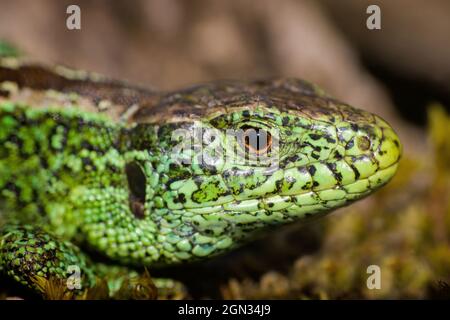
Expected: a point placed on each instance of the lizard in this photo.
(94, 169)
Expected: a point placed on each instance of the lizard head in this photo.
(232, 159)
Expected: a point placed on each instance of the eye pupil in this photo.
(257, 140)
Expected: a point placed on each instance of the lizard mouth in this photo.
(305, 202)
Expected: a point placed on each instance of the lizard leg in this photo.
(39, 260)
(58, 269)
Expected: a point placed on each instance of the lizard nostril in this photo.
(136, 183)
(363, 143)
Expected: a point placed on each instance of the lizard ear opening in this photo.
(136, 183)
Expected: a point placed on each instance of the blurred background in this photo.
(401, 72)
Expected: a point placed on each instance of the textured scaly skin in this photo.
(86, 162)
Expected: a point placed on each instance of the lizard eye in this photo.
(256, 140)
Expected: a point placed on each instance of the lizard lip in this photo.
(330, 198)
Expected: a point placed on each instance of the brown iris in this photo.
(255, 140)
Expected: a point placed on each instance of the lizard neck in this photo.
(79, 175)
(47, 153)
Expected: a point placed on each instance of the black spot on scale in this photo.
(293, 158)
(246, 113)
(315, 155)
(181, 198)
(350, 144)
(397, 144)
(312, 170)
(315, 136)
(315, 184)
(337, 155)
(285, 121)
(307, 186)
(270, 204)
(337, 175)
(331, 166)
(278, 186)
(357, 174)
(306, 144)
(354, 127)
(271, 116)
